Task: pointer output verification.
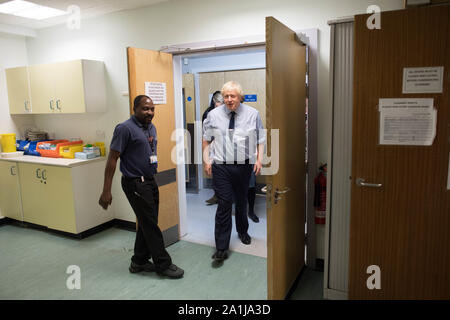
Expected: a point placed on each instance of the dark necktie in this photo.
(231, 125)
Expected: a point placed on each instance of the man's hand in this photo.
(257, 167)
(105, 200)
(208, 168)
(106, 197)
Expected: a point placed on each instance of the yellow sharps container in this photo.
(8, 142)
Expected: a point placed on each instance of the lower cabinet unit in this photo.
(48, 196)
(59, 197)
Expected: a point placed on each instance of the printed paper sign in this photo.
(423, 80)
(407, 122)
(156, 91)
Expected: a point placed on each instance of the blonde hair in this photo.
(233, 85)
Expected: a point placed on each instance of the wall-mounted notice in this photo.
(156, 91)
(251, 98)
(407, 122)
(423, 80)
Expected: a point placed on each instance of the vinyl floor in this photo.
(37, 264)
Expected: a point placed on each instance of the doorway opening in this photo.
(202, 75)
(216, 52)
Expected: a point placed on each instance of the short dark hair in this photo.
(137, 101)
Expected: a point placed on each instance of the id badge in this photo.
(153, 159)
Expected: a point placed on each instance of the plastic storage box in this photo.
(69, 151)
(51, 149)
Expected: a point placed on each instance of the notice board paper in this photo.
(407, 122)
(423, 80)
(156, 91)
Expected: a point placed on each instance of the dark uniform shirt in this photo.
(136, 144)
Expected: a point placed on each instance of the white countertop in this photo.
(60, 162)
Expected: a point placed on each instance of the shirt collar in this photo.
(139, 124)
(237, 111)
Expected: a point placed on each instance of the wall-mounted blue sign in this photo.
(251, 98)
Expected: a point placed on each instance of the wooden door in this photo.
(18, 90)
(286, 102)
(153, 66)
(403, 227)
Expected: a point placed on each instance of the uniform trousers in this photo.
(230, 181)
(144, 199)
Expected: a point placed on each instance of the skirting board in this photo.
(170, 235)
(331, 294)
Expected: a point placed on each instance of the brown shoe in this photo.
(213, 200)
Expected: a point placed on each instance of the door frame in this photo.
(180, 51)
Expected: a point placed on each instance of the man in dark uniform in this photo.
(135, 141)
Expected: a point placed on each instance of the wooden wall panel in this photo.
(209, 83)
(252, 82)
(189, 91)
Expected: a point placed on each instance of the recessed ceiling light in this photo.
(30, 10)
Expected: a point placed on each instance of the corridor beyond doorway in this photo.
(201, 225)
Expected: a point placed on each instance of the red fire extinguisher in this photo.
(320, 195)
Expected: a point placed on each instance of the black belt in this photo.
(139, 178)
(247, 161)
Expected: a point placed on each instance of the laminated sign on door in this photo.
(407, 122)
(156, 91)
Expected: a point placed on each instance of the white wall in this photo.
(176, 22)
(13, 53)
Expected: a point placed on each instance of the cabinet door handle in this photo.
(25, 105)
(51, 105)
(44, 174)
(57, 104)
(37, 173)
(12, 171)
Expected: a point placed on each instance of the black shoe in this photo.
(172, 272)
(148, 267)
(254, 217)
(245, 238)
(220, 255)
(213, 200)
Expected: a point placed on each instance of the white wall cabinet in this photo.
(65, 87)
(18, 90)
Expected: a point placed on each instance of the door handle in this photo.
(44, 174)
(12, 172)
(51, 105)
(278, 192)
(57, 104)
(361, 183)
(286, 190)
(37, 173)
(25, 104)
